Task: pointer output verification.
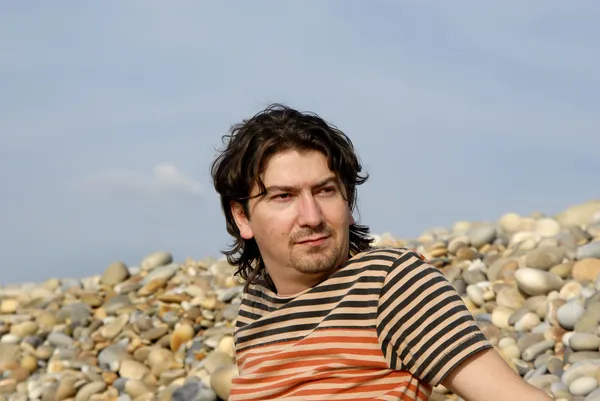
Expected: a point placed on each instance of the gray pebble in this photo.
(584, 342)
(193, 391)
(230, 293)
(110, 358)
(537, 349)
(77, 312)
(119, 384)
(115, 303)
(569, 314)
(162, 272)
(481, 235)
(70, 283)
(591, 250)
(60, 340)
(544, 257)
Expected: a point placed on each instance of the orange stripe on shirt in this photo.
(357, 385)
(254, 352)
(340, 372)
(325, 378)
(290, 355)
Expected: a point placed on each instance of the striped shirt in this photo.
(386, 326)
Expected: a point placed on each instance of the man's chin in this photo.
(315, 263)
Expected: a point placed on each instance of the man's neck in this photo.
(294, 285)
(295, 282)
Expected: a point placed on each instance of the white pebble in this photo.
(583, 386)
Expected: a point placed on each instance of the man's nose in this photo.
(310, 212)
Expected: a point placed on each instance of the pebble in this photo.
(156, 259)
(591, 250)
(60, 340)
(583, 386)
(89, 389)
(74, 313)
(544, 257)
(131, 369)
(546, 227)
(509, 223)
(579, 214)
(8, 306)
(584, 342)
(481, 235)
(537, 282)
(114, 274)
(194, 391)
(163, 330)
(527, 322)
(569, 314)
(586, 269)
(220, 378)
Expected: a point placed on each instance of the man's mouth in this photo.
(314, 240)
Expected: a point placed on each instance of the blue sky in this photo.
(110, 113)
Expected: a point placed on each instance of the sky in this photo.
(111, 113)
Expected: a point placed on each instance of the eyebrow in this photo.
(288, 188)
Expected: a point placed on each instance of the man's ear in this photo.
(241, 220)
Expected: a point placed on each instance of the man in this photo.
(325, 316)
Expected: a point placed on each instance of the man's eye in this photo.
(328, 190)
(281, 196)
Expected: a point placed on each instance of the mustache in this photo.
(310, 232)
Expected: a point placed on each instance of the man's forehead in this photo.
(300, 182)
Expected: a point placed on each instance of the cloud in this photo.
(165, 181)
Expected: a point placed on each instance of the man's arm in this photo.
(486, 377)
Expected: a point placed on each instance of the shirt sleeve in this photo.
(423, 325)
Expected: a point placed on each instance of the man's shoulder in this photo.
(380, 261)
(387, 255)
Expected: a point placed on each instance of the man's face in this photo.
(301, 225)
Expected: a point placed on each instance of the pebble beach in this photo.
(162, 330)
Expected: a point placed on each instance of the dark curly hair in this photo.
(239, 166)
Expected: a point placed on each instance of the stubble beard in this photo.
(316, 259)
